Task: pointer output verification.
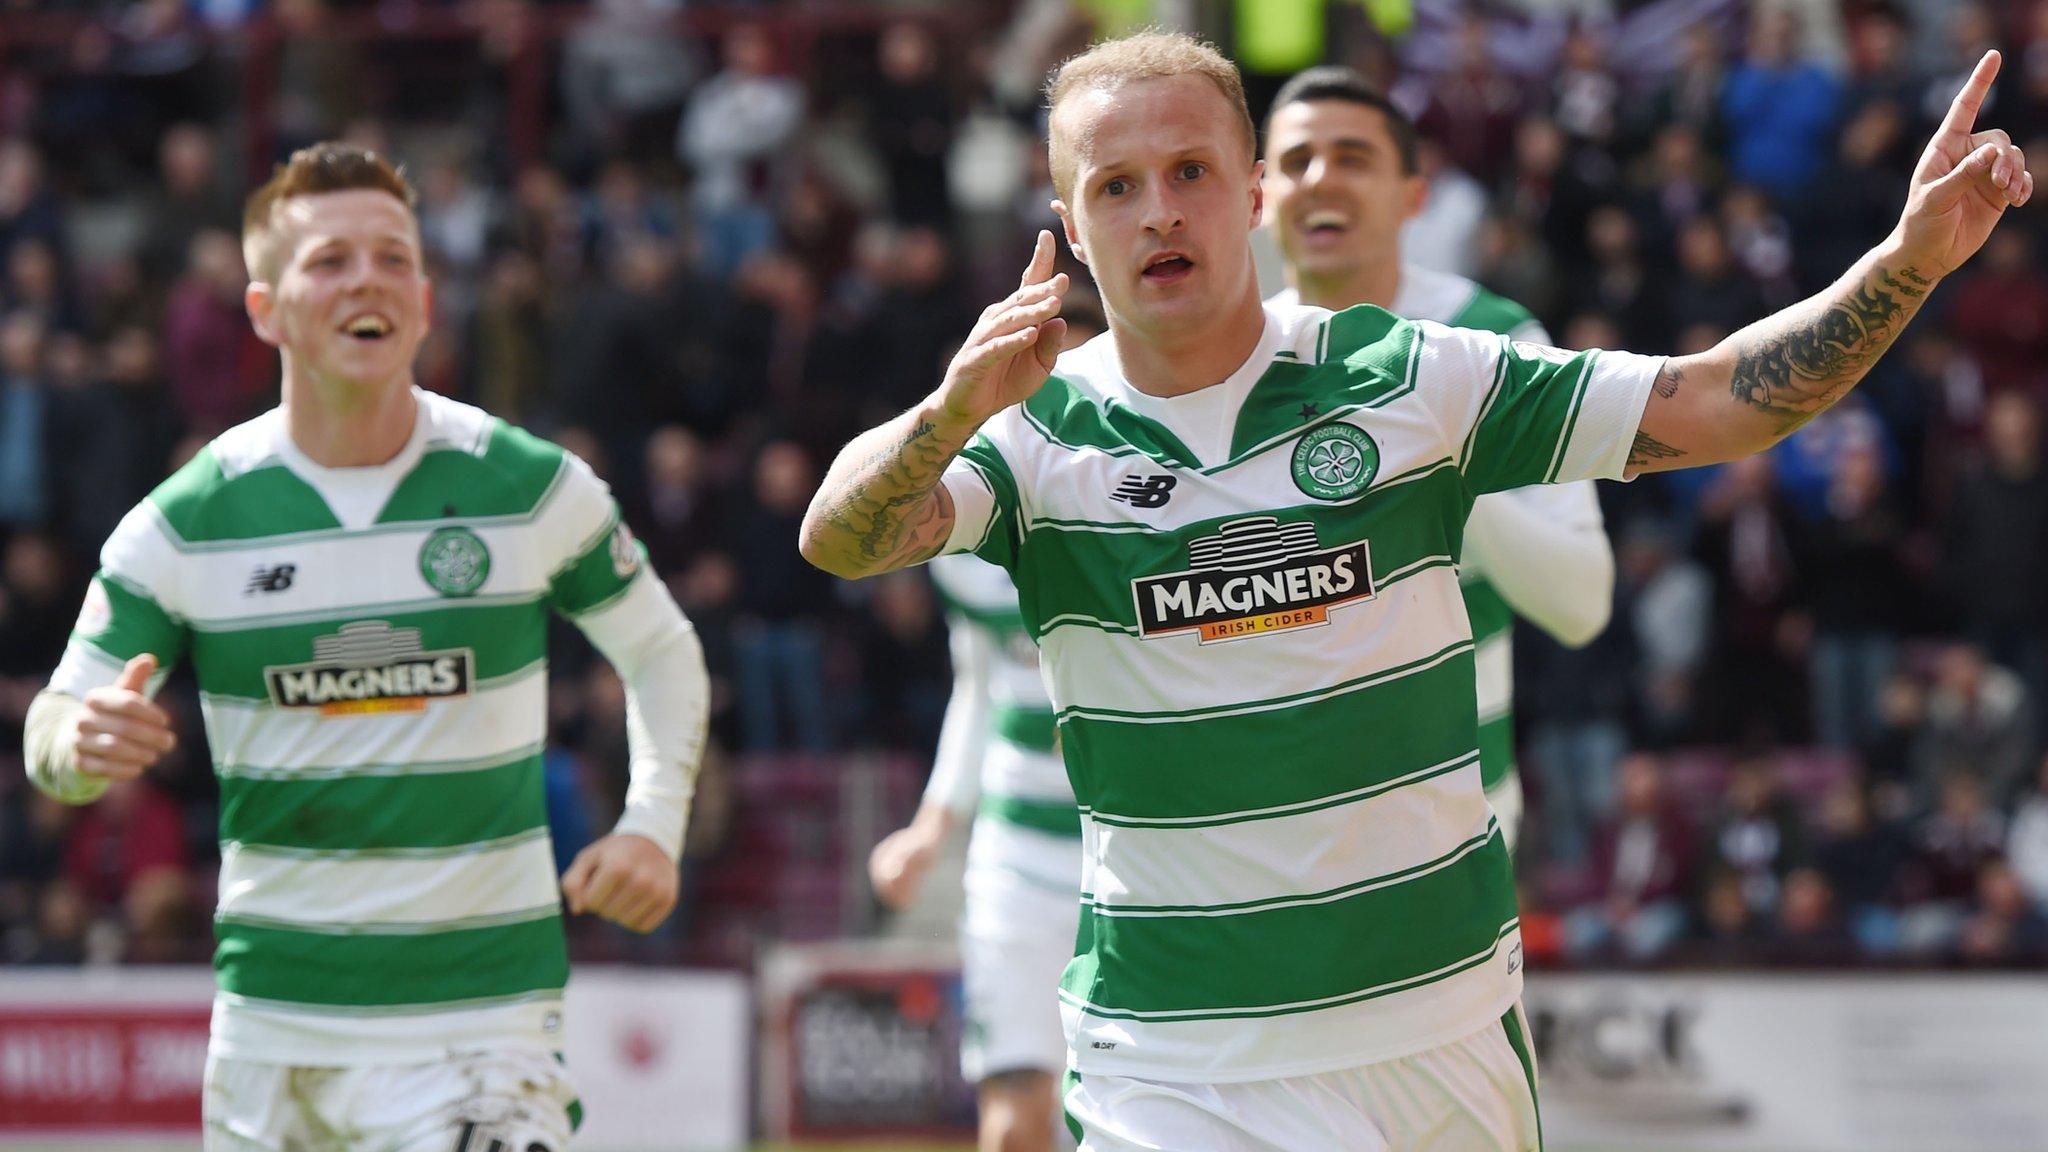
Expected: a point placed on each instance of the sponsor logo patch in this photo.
(1253, 577)
(1335, 461)
(370, 667)
(454, 562)
(625, 552)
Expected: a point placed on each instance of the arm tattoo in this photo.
(887, 514)
(1668, 379)
(1793, 369)
(1648, 448)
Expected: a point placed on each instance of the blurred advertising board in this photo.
(1809, 1063)
(862, 1040)
(92, 1056)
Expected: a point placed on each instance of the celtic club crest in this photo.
(455, 562)
(1335, 461)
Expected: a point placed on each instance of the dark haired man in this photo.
(1340, 181)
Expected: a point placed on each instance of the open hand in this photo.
(1964, 183)
(1013, 346)
(121, 732)
(625, 878)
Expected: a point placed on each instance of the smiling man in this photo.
(1341, 180)
(1298, 927)
(362, 580)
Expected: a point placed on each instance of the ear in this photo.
(1071, 229)
(1258, 192)
(260, 301)
(1415, 193)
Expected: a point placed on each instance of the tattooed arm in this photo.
(1764, 382)
(881, 506)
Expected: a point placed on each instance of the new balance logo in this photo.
(1145, 491)
(275, 578)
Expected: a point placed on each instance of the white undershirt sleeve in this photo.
(651, 644)
(955, 783)
(1545, 550)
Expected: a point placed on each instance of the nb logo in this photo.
(1145, 491)
(275, 578)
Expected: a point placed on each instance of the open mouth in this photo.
(1325, 223)
(1168, 267)
(368, 327)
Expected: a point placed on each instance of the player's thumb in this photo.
(136, 673)
(577, 879)
(1976, 166)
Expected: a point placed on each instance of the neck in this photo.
(1369, 282)
(341, 425)
(1176, 366)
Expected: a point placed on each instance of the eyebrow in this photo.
(1341, 143)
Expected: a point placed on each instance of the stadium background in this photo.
(703, 245)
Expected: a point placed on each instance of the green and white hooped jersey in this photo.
(1453, 300)
(1022, 780)
(1248, 606)
(370, 650)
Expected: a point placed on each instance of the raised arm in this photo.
(1761, 384)
(881, 506)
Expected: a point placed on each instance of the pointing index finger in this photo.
(1041, 260)
(1962, 112)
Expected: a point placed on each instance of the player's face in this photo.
(1336, 194)
(1163, 202)
(350, 301)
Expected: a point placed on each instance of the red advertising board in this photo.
(85, 1053)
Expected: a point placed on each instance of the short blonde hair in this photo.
(1142, 56)
(324, 167)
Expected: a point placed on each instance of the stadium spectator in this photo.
(1995, 550)
(126, 854)
(1779, 106)
(2000, 310)
(189, 197)
(1644, 859)
(912, 107)
(778, 644)
(1758, 837)
(1810, 932)
(1860, 856)
(220, 374)
(734, 135)
(1856, 550)
(1472, 106)
(1755, 669)
(1950, 845)
(1445, 234)
(1979, 720)
(2003, 928)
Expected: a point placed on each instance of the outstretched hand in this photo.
(1964, 182)
(1013, 346)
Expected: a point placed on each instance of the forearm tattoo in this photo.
(887, 514)
(1793, 369)
(1648, 448)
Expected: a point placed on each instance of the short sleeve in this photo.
(1518, 413)
(600, 556)
(986, 510)
(130, 608)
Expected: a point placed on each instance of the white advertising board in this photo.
(106, 1057)
(1820, 1063)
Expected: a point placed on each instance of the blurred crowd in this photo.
(702, 247)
